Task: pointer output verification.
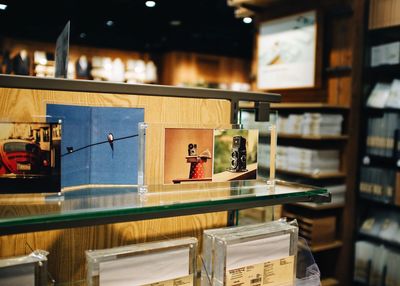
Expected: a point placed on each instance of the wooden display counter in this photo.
(24, 99)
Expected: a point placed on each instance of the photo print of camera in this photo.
(238, 155)
(192, 149)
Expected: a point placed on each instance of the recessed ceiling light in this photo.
(175, 23)
(109, 23)
(150, 4)
(247, 20)
(3, 6)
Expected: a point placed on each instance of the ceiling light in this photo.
(82, 35)
(3, 6)
(150, 4)
(109, 23)
(247, 20)
(175, 23)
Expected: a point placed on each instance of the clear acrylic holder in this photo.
(307, 271)
(170, 144)
(29, 270)
(144, 263)
(230, 250)
(99, 146)
(209, 247)
(268, 139)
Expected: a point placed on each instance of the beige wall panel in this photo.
(30, 105)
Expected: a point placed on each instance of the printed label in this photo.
(279, 272)
(182, 281)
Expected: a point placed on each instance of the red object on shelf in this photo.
(197, 170)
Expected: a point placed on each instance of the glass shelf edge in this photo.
(124, 214)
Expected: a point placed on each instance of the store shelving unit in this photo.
(337, 90)
(326, 246)
(316, 176)
(370, 204)
(323, 250)
(329, 282)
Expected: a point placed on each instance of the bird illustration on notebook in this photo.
(110, 138)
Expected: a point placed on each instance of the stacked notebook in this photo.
(252, 254)
(307, 161)
(385, 95)
(376, 265)
(311, 124)
(379, 184)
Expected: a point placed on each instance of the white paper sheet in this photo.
(18, 275)
(145, 269)
(257, 251)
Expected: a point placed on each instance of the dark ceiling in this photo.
(206, 26)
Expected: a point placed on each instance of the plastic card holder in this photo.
(28, 270)
(99, 146)
(209, 239)
(268, 139)
(170, 261)
(190, 153)
(30, 157)
(251, 252)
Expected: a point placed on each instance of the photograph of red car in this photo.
(29, 157)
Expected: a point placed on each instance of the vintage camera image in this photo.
(30, 157)
(235, 155)
(187, 155)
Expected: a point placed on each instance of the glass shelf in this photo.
(22, 213)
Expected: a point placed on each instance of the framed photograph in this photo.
(188, 155)
(29, 157)
(211, 155)
(235, 154)
(287, 52)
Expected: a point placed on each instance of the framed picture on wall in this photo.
(286, 56)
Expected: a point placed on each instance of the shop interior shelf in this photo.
(308, 106)
(316, 176)
(312, 137)
(326, 246)
(379, 240)
(21, 213)
(319, 207)
(329, 282)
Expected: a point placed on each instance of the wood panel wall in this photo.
(192, 68)
(384, 13)
(67, 246)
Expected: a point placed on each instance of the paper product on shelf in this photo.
(390, 227)
(378, 263)
(322, 124)
(307, 160)
(250, 250)
(293, 124)
(386, 54)
(311, 124)
(393, 99)
(171, 262)
(392, 277)
(379, 95)
(27, 270)
(364, 252)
